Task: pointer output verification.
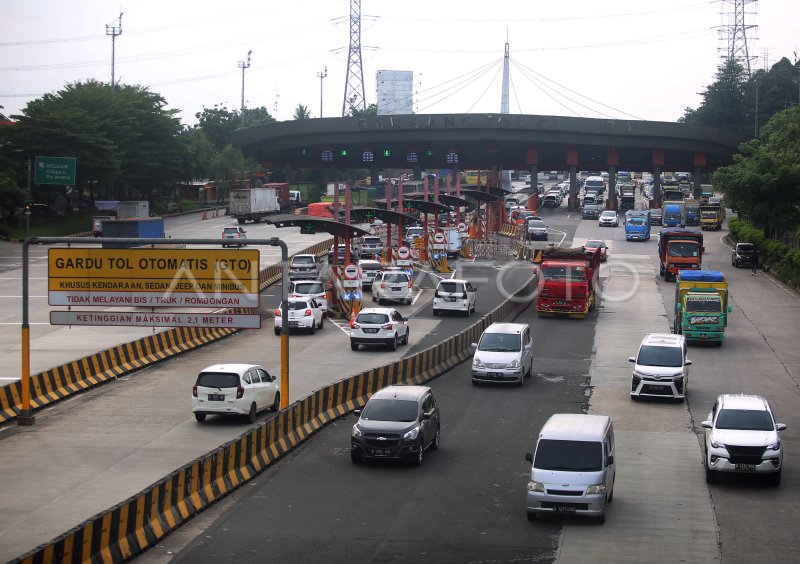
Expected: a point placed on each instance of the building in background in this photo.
(395, 92)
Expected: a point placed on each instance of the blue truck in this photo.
(674, 215)
(637, 225)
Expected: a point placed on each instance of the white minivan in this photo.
(504, 353)
(572, 468)
(454, 294)
(234, 389)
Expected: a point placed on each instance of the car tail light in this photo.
(239, 391)
(308, 312)
(194, 390)
(387, 327)
(383, 284)
(409, 283)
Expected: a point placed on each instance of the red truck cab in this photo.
(679, 249)
(568, 281)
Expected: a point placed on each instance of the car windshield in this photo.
(562, 273)
(230, 230)
(499, 342)
(390, 409)
(593, 244)
(371, 241)
(370, 266)
(303, 260)
(218, 380)
(682, 250)
(537, 224)
(569, 456)
(395, 278)
(745, 420)
(660, 356)
(372, 318)
(704, 304)
(608, 214)
(295, 305)
(708, 215)
(636, 221)
(745, 248)
(309, 288)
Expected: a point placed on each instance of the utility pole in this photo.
(320, 76)
(113, 31)
(244, 65)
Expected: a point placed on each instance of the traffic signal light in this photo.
(387, 153)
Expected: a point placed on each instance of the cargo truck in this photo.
(568, 280)
(627, 199)
(711, 216)
(637, 225)
(701, 305)
(679, 249)
(674, 214)
(254, 204)
(692, 210)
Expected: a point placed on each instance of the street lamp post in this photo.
(244, 65)
(320, 75)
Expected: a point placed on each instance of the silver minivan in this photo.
(504, 353)
(572, 468)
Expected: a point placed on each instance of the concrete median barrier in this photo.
(139, 522)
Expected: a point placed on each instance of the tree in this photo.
(764, 181)
(723, 101)
(371, 110)
(301, 112)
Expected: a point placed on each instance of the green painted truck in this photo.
(701, 305)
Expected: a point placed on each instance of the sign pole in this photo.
(26, 414)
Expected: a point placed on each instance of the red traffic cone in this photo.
(352, 318)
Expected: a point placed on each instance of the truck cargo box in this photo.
(141, 228)
(133, 209)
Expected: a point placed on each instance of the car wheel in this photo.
(405, 339)
(711, 475)
(602, 517)
(475, 382)
(276, 403)
(380, 301)
(393, 343)
(420, 454)
(374, 299)
(313, 327)
(353, 346)
(251, 415)
(354, 458)
(199, 416)
(435, 312)
(775, 479)
(532, 515)
(321, 322)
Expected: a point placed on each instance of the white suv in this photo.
(392, 285)
(310, 289)
(504, 353)
(661, 368)
(379, 326)
(455, 295)
(741, 436)
(235, 389)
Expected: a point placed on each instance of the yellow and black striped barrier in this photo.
(141, 521)
(528, 253)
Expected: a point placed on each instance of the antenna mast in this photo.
(244, 65)
(113, 31)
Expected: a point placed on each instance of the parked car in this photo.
(661, 368)
(379, 326)
(608, 218)
(310, 289)
(398, 422)
(597, 245)
(304, 266)
(303, 313)
(370, 269)
(234, 389)
(504, 353)
(392, 285)
(454, 294)
(741, 436)
(234, 237)
(743, 254)
(537, 230)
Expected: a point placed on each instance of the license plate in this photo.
(560, 303)
(746, 467)
(395, 288)
(216, 397)
(381, 452)
(452, 298)
(370, 330)
(564, 509)
(494, 374)
(293, 324)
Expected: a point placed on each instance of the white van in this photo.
(572, 468)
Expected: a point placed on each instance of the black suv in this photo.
(398, 422)
(743, 255)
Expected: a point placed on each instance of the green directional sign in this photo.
(54, 170)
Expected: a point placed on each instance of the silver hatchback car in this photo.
(503, 354)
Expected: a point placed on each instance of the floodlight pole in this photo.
(320, 75)
(113, 31)
(244, 65)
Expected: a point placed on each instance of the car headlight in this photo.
(596, 489)
(412, 434)
(775, 446)
(716, 444)
(535, 487)
(513, 364)
(476, 363)
(356, 432)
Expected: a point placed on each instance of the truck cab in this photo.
(701, 305)
(679, 249)
(637, 225)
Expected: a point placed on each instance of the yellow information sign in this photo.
(153, 277)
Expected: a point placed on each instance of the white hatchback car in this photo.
(741, 436)
(393, 285)
(235, 389)
(455, 295)
(379, 326)
(304, 313)
(310, 289)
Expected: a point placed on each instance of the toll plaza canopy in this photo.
(481, 196)
(361, 215)
(310, 223)
(455, 201)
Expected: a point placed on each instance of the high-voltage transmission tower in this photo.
(735, 33)
(354, 81)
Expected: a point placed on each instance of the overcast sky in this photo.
(647, 59)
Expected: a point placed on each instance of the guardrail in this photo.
(78, 375)
(139, 522)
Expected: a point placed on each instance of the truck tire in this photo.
(240, 220)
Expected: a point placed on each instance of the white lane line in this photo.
(419, 293)
(345, 329)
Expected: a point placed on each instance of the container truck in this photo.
(701, 305)
(138, 228)
(133, 210)
(637, 225)
(679, 249)
(568, 280)
(254, 204)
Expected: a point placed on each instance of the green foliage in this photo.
(301, 112)
(781, 259)
(371, 110)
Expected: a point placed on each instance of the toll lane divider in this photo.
(140, 522)
(76, 376)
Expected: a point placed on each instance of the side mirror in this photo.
(730, 309)
(404, 318)
(473, 346)
(357, 412)
(529, 457)
(687, 362)
(610, 460)
(425, 416)
(707, 424)
(631, 359)
(703, 249)
(780, 426)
